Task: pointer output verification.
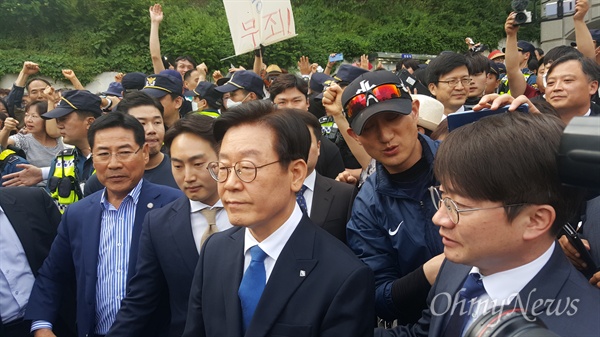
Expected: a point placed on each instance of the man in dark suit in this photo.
(97, 240)
(275, 273)
(172, 235)
(28, 222)
(501, 205)
(328, 202)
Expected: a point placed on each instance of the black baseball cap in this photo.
(244, 79)
(364, 84)
(75, 100)
(158, 85)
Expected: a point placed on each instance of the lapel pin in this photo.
(302, 273)
(150, 205)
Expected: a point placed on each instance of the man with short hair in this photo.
(35, 87)
(97, 241)
(290, 91)
(499, 234)
(390, 229)
(571, 81)
(172, 235)
(328, 203)
(275, 272)
(149, 112)
(169, 91)
(480, 69)
(243, 86)
(448, 78)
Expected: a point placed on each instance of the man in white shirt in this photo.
(172, 236)
(275, 272)
(500, 207)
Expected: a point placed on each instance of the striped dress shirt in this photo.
(113, 257)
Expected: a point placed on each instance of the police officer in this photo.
(69, 171)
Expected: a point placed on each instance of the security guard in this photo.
(69, 171)
(206, 100)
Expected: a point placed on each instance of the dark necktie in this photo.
(471, 290)
(253, 284)
(300, 199)
(211, 217)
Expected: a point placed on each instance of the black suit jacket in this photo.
(35, 218)
(332, 205)
(561, 296)
(333, 297)
(166, 262)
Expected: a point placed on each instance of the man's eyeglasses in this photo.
(123, 156)
(378, 94)
(454, 82)
(452, 208)
(245, 170)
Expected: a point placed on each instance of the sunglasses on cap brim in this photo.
(374, 95)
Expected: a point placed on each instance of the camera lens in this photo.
(508, 323)
(520, 18)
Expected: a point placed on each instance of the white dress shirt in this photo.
(200, 224)
(272, 245)
(309, 182)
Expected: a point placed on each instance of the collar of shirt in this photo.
(196, 206)
(505, 285)
(310, 180)
(589, 112)
(134, 194)
(272, 245)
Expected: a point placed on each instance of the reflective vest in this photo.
(504, 88)
(64, 185)
(208, 113)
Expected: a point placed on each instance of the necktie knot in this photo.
(257, 254)
(473, 286)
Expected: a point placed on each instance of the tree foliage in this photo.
(94, 36)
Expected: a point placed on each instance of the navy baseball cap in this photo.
(206, 90)
(400, 102)
(526, 47)
(318, 81)
(158, 85)
(244, 79)
(134, 81)
(75, 100)
(114, 89)
(595, 34)
(348, 73)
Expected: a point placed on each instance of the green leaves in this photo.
(93, 36)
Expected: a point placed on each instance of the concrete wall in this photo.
(560, 32)
(99, 84)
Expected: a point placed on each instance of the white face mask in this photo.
(232, 104)
(194, 106)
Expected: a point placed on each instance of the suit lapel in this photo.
(322, 199)
(450, 281)
(146, 202)
(232, 271)
(180, 227)
(90, 233)
(293, 266)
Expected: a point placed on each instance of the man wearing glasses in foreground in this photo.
(275, 272)
(501, 204)
(97, 242)
(390, 228)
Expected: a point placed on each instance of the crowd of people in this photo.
(333, 202)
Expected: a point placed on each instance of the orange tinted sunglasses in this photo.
(377, 94)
